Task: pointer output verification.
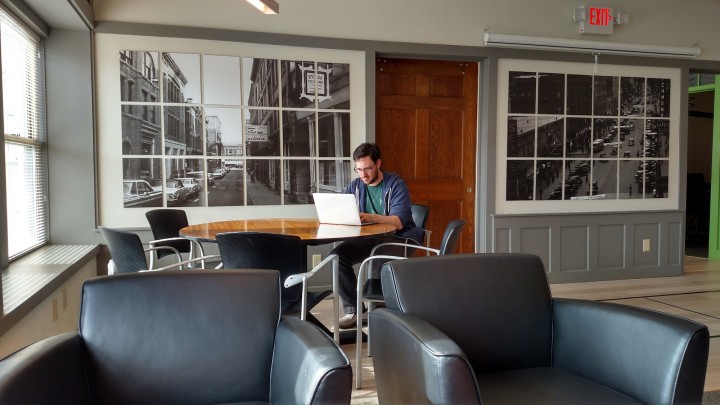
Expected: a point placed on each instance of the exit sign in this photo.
(597, 20)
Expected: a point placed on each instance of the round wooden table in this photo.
(311, 231)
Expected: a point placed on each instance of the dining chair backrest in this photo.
(126, 250)
(371, 290)
(451, 237)
(166, 223)
(258, 250)
(420, 215)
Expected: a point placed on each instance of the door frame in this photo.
(714, 220)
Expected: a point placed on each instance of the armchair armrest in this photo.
(308, 367)
(49, 371)
(650, 356)
(413, 359)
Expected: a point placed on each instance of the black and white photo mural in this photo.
(205, 130)
(581, 141)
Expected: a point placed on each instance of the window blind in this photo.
(23, 86)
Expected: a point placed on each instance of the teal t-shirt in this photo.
(374, 200)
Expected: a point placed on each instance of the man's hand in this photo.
(393, 220)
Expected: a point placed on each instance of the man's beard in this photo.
(372, 180)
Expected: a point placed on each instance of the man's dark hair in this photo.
(367, 149)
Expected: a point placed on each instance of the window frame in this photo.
(32, 135)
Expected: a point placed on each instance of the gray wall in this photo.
(71, 140)
(610, 242)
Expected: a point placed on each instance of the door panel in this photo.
(427, 128)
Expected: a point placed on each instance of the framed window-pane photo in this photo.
(139, 76)
(333, 134)
(299, 133)
(181, 77)
(260, 83)
(573, 140)
(228, 184)
(262, 132)
(140, 188)
(240, 125)
(140, 129)
(265, 182)
(221, 79)
(333, 86)
(298, 83)
(299, 185)
(334, 175)
(182, 186)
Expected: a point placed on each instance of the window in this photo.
(23, 85)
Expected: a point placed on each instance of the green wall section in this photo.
(714, 228)
(714, 247)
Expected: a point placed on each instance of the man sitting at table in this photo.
(382, 197)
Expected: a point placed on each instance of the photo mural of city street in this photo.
(583, 137)
(221, 130)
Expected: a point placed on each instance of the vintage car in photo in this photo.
(156, 184)
(193, 184)
(176, 192)
(139, 193)
(199, 177)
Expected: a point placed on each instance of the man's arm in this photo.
(393, 220)
(398, 205)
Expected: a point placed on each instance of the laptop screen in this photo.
(341, 209)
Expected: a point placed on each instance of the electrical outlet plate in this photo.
(646, 245)
(316, 259)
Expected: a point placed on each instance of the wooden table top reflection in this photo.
(311, 231)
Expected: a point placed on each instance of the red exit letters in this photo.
(600, 16)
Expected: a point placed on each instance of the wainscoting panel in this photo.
(502, 240)
(611, 247)
(676, 239)
(574, 241)
(647, 237)
(536, 240)
(596, 246)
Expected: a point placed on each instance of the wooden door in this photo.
(426, 117)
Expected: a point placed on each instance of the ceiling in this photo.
(58, 14)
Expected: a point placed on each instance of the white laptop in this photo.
(339, 209)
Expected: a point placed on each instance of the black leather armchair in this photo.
(181, 337)
(483, 328)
